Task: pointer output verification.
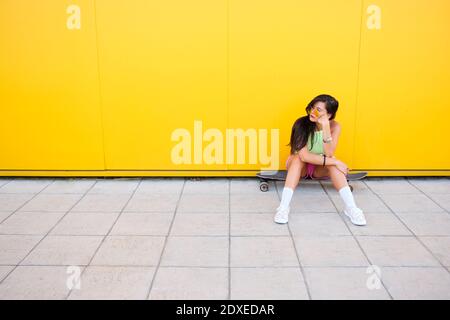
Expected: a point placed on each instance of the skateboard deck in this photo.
(266, 176)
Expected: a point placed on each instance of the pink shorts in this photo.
(309, 171)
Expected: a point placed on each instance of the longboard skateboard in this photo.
(266, 176)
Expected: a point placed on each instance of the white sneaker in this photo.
(282, 215)
(356, 216)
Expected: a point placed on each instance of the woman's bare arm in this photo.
(313, 158)
(333, 130)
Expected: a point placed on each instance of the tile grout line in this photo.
(46, 234)
(165, 241)
(10, 180)
(414, 235)
(221, 267)
(426, 195)
(218, 236)
(18, 263)
(355, 238)
(300, 266)
(26, 202)
(105, 236)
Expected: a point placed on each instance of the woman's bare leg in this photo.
(337, 177)
(341, 185)
(296, 169)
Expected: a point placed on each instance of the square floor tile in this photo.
(13, 248)
(38, 223)
(85, 223)
(263, 252)
(203, 203)
(12, 202)
(196, 252)
(115, 186)
(4, 215)
(52, 202)
(254, 203)
(390, 185)
(64, 250)
(417, 283)
(153, 202)
(70, 185)
(117, 283)
(344, 284)
(190, 283)
(25, 185)
(102, 203)
(166, 185)
(267, 284)
(261, 224)
(318, 224)
(239, 186)
(151, 224)
(309, 203)
(379, 224)
(427, 224)
(129, 251)
(4, 181)
(440, 247)
(200, 224)
(330, 252)
(206, 185)
(4, 271)
(442, 200)
(432, 184)
(396, 251)
(36, 283)
(406, 203)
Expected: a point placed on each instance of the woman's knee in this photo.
(296, 159)
(333, 170)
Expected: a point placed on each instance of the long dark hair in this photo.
(304, 128)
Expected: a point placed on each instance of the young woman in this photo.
(313, 141)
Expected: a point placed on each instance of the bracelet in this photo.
(327, 140)
(324, 159)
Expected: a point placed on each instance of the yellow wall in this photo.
(105, 98)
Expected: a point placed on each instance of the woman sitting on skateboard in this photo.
(313, 141)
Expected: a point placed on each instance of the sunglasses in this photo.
(314, 111)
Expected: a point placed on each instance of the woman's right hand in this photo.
(342, 167)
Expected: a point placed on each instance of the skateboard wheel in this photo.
(264, 186)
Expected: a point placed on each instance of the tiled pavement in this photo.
(214, 238)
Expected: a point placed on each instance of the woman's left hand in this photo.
(323, 119)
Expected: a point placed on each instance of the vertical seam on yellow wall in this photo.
(100, 96)
(228, 70)
(357, 82)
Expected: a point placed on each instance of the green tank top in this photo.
(317, 146)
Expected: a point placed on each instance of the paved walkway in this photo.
(214, 238)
